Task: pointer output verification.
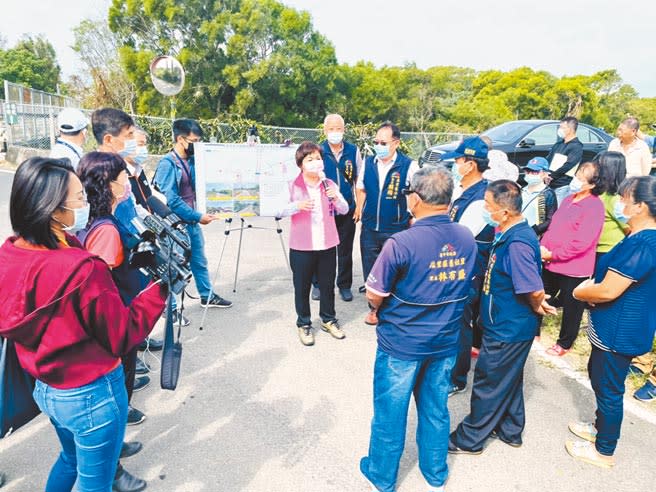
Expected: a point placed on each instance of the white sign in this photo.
(243, 180)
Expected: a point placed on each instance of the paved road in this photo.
(256, 411)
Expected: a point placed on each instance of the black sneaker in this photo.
(124, 481)
(215, 301)
(140, 383)
(455, 389)
(130, 449)
(135, 417)
(141, 368)
(151, 344)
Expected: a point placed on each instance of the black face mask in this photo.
(190, 149)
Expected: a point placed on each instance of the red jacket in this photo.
(63, 311)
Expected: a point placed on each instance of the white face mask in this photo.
(560, 133)
(335, 138)
(81, 217)
(129, 149)
(315, 166)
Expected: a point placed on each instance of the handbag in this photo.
(17, 406)
(172, 352)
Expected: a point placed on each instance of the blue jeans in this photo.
(90, 423)
(562, 193)
(395, 381)
(371, 243)
(607, 372)
(198, 262)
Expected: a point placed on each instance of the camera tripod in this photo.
(242, 227)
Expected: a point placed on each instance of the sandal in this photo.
(557, 350)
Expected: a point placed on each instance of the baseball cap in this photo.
(71, 120)
(538, 164)
(469, 147)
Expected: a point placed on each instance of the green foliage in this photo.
(32, 62)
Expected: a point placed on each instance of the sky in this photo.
(564, 37)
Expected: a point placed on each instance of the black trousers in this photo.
(470, 335)
(497, 401)
(561, 287)
(305, 264)
(371, 243)
(346, 232)
(129, 362)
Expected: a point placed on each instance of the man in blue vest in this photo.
(380, 203)
(471, 162)
(419, 284)
(342, 161)
(512, 302)
(175, 177)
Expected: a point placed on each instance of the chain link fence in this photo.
(34, 126)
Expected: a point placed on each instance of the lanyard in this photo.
(185, 167)
(66, 144)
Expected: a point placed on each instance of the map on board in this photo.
(241, 180)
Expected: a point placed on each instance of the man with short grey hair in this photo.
(418, 284)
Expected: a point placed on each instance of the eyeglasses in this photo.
(382, 142)
(408, 191)
(188, 140)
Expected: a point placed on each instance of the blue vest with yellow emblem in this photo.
(386, 211)
(342, 172)
(507, 316)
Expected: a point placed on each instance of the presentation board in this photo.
(242, 180)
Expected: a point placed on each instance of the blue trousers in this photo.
(497, 400)
(198, 262)
(371, 243)
(90, 423)
(607, 371)
(395, 381)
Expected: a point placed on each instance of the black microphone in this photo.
(324, 183)
(161, 209)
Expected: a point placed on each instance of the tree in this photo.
(97, 48)
(258, 59)
(32, 62)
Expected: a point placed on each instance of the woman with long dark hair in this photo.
(612, 171)
(69, 324)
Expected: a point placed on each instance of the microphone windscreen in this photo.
(158, 207)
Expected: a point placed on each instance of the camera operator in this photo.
(68, 321)
(175, 178)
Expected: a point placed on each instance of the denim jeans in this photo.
(562, 192)
(90, 423)
(198, 262)
(607, 371)
(395, 381)
(371, 243)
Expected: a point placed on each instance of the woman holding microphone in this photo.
(312, 202)
(70, 327)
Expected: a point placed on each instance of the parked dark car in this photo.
(522, 140)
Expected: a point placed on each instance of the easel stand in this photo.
(242, 227)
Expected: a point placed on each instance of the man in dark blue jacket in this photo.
(380, 203)
(512, 302)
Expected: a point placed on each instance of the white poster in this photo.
(243, 180)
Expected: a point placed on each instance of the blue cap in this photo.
(470, 147)
(538, 164)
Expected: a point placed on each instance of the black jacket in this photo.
(574, 152)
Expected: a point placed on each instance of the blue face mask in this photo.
(382, 151)
(129, 149)
(81, 219)
(487, 217)
(532, 179)
(457, 177)
(141, 155)
(618, 212)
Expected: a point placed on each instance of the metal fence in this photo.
(35, 126)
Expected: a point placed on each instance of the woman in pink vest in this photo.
(313, 203)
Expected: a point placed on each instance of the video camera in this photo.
(163, 250)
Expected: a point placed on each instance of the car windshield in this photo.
(509, 132)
